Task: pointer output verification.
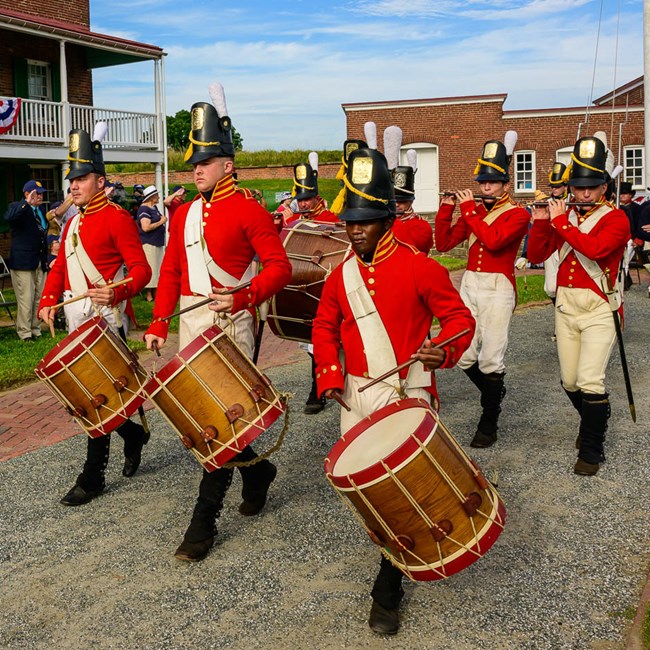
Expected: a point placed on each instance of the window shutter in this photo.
(56, 82)
(21, 87)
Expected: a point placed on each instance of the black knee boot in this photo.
(492, 393)
(90, 483)
(387, 593)
(135, 437)
(256, 480)
(593, 426)
(475, 375)
(576, 399)
(314, 404)
(199, 536)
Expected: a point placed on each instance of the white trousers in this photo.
(240, 327)
(28, 287)
(491, 299)
(371, 400)
(585, 331)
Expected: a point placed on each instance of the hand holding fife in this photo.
(430, 356)
(449, 198)
(465, 195)
(540, 213)
(556, 207)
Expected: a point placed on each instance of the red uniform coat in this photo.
(236, 229)
(605, 244)
(497, 243)
(409, 290)
(110, 237)
(412, 229)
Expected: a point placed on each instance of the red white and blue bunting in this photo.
(9, 110)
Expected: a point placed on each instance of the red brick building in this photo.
(448, 133)
(47, 56)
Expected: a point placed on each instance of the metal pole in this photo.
(646, 89)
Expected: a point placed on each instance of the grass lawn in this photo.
(450, 263)
(531, 289)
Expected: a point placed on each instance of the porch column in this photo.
(156, 79)
(65, 105)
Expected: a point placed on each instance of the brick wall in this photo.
(17, 46)
(73, 11)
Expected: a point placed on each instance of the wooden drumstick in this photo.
(410, 362)
(155, 348)
(340, 400)
(207, 301)
(82, 296)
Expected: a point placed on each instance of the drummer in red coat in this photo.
(397, 292)
(96, 245)
(591, 241)
(214, 244)
(494, 228)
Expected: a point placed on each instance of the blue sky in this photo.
(287, 67)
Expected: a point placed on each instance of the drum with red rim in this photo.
(95, 376)
(314, 249)
(415, 491)
(215, 398)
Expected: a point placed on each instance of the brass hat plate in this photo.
(490, 150)
(198, 118)
(400, 179)
(587, 148)
(301, 172)
(74, 142)
(362, 171)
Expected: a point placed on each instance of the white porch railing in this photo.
(48, 122)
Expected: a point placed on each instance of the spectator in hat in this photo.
(119, 195)
(136, 199)
(152, 235)
(175, 200)
(28, 257)
(283, 212)
(630, 207)
(53, 246)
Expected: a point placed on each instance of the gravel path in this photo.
(567, 572)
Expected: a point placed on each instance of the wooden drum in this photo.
(215, 398)
(95, 376)
(415, 491)
(315, 249)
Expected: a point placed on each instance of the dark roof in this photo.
(77, 33)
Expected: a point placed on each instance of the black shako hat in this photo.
(84, 155)
(404, 182)
(493, 163)
(369, 187)
(305, 181)
(588, 160)
(626, 188)
(556, 175)
(210, 135)
(352, 145)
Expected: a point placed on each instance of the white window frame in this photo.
(47, 75)
(641, 184)
(532, 171)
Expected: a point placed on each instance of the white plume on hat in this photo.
(313, 160)
(510, 142)
(412, 159)
(101, 129)
(609, 162)
(392, 145)
(218, 98)
(616, 172)
(370, 133)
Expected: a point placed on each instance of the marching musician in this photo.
(409, 226)
(96, 245)
(494, 227)
(590, 240)
(213, 243)
(311, 206)
(377, 308)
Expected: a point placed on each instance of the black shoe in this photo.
(482, 440)
(132, 461)
(256, 500)
(382, 620)
(194, 551)
(314, 405)
(77, 496)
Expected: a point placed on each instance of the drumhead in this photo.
(379, 441)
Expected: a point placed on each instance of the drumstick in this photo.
(410, 362)
(82, 296)
(155, 348)
(340, 400)
(207, 301)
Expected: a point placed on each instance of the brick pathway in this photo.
(31, 417)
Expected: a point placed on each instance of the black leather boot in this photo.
(576, 399)
(200, 534)
(256, 481)
(135, 437)
(91, 482)
(314, 403)
(492, 393)
(387, 593)
(475, 375)
(593, 426)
